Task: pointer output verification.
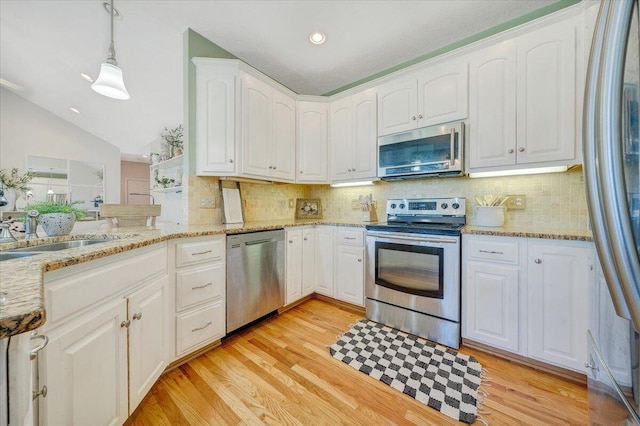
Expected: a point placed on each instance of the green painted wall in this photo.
(561, 4)
(195, 45)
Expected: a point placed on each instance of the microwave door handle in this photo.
(453, 146)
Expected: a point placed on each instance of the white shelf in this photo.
(167, 164)
(165, 190)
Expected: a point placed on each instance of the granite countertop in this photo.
(526, 232)
(21, 279)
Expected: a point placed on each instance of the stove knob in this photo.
(393, 206)
(444, 206)
(402, 206)
(455, 206)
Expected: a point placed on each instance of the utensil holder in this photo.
(370, 215)
(492, 216)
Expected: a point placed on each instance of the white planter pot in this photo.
(490, 215)
(55, 224)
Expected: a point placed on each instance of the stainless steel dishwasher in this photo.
(255, 276)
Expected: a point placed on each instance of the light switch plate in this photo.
(516, 202)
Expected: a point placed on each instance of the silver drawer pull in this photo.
(201, 252)
(201, 328)
(34, 352)
(349, 238)
(125, 324)
(491, 251)
(198, 287)
(137, 316)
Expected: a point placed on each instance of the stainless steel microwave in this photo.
(428, 151)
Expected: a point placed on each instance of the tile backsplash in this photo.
(553, 200)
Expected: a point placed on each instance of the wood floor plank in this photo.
(280, 372)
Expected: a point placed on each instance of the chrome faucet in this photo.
(5, 233)
(31, 225)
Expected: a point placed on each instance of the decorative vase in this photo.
(55, 224)
(492, 216)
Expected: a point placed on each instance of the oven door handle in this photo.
(412, 238)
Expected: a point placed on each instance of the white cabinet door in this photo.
(492, 98)
(559, 278)
(283, 151)
(312, 142)
(148, 340)
(293, 265)
(324, 261)
(308, 260)
(84, 367)
(546, 92)
(491, 294)
(349, 274)
(364, 136)
(340, 143)
(215, 118)
(256, 127)
(397, 106)
(442, 94)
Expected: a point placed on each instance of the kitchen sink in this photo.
(8, 256)
(63, 245)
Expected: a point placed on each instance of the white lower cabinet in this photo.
(324, 261)
(300, 263)
(528, 296)
(107, 338)
(349, 265)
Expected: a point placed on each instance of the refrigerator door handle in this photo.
(610, 155)
(590, 155)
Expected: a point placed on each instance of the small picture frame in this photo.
(308, 208)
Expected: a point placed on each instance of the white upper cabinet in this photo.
(437, 94)
(268, 131)
(312, 142)
(353, 139)
(215, 116)
(522, 98)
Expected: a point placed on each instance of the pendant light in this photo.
(110, 83)
(50, 191)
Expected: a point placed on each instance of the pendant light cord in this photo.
(112, 50)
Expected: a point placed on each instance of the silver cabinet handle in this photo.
(510, 151)
(521, 149)
(359, 260)
(230, 160)
(349, 238)
(413, 118)
(137, 316)
(201, 328)
(274, 167)
(419, 115)
(538, 261)
(290, 241)
(42, 393)
(305, 238)
(33, 353)
(125, 324)
(491, 251)
(201, 252)
(301, 171)
(198, 287)
(270, 167)
(591, 366)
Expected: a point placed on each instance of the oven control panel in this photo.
(426, 206)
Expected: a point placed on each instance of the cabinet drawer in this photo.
(200, 326)
(199, 285)
(196, 252)
(498, 251)
(350, 237)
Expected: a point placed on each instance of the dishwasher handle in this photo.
(265, 241)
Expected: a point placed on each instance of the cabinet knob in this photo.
(270, 167)
(290, 241)
(305, 238)
(137, 316)
(538, 261)
(510, 151)
(301, 171)
(591, 366)
(521, 149)
(274, 167)
(419, 115)
(413, 118)
(42, 392)
(125, 324)
(359, 260)
(230, 160)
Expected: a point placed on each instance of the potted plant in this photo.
(173, 140)
(165, 182)
(12, 182)
(57, 218)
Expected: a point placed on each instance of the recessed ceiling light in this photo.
(317, 37)
(10, 84)
(74, 110)
(86, 77)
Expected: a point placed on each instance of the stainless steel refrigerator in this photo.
(612, 175)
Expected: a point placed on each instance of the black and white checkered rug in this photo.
(432, 374)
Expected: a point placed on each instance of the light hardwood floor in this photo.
(280, 372)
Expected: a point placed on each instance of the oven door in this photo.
(416, 272)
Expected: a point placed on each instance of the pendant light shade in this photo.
(110, 82)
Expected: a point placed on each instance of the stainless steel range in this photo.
(413, 268)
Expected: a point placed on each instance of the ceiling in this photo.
(45, 45)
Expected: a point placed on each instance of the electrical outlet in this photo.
(208, 202)
(355, 204)
(291, 205)
(516, 202)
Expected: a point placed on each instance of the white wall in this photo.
(27, 129)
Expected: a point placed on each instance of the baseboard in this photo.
(177, 363)
(570, 375)
(356, 309)
(296, 303)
